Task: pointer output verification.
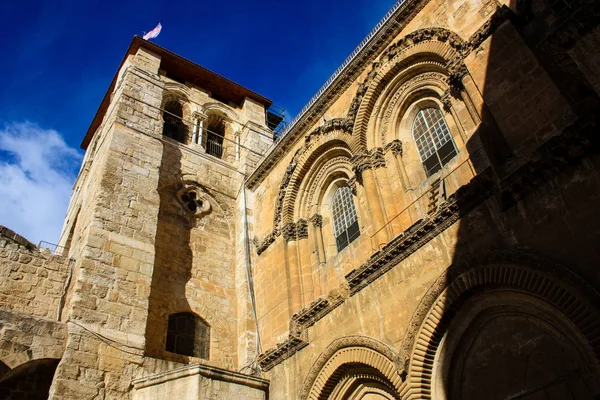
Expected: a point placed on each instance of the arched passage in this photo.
(29, 381)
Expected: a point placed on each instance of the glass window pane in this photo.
(344, 217)
(433, 139)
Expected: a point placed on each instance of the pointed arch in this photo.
(370, 359)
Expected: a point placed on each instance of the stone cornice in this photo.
(553, 157)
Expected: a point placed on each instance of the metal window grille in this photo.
(345, 220)
(433, 139)
(215, 135)
(188, 335)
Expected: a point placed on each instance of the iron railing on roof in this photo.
(53, 248)
(340, 69)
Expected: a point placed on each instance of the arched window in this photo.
(173, 121)
(215, 126)
(189, 335)
(345, 221)
(433, 139)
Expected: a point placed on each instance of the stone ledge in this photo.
(207, 371)
(15, 237)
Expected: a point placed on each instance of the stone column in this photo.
(364, 172)
(289, 235)
(383, 182)
(316, 225)
(305, 265)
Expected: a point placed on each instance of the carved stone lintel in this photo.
(302, 229)
(377, 158)
(317, 220)
(395, 146)
(289, 231)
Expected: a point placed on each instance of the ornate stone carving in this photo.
(395, 146)
(446, 100)
(302, 229)
(457, 70)
(289, 231)
(501, 15)
(317, 220)
(377, 158)
(282, 352)
(354, 351)
(281, 195)
(341, 124)
(267, 241)
(361, 162)
(352, 185)
(194, 200)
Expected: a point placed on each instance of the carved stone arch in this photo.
(307, 166)
(177, 89)
(314, 187)
(519, 272)
(357, 350)
(435, 45)
(314, 145)
(430, 79)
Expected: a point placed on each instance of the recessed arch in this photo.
(515, 272)
(371, 357)
(434, 46)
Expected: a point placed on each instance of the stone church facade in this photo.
(426, 227)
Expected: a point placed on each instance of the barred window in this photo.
(433, 139)
(188, 335)
(173, 126)
(345, 221)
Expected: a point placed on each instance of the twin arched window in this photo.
(433, 139)
(345, 220)
(189, 335)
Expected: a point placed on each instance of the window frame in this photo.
(350, 230)
(194, 340)
(449, 146)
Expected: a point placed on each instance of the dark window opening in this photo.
(345, 220)
(562, 7)
(173, 121)
(188, 335)
(215, 127)
(433, 140)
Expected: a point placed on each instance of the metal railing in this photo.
(53, 248)
(214, 147)
(421, 207)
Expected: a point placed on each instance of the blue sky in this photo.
(59, 57)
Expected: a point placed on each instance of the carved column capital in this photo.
(317, 220)
(446, 101)
(289, 231)
(361, 162)
(302, 229)
(457, 70)
(352, 185)
(377, 158)
(395, 146)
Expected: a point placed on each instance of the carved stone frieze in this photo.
(558, 153)
(446, 100)
(361, 162)
(352, 184)
(334, 124)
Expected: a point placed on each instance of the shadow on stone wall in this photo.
(519, 309)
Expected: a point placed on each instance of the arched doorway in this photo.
(505, 331)
(29, 381)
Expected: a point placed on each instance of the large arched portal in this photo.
(505, 331)
(29, 381)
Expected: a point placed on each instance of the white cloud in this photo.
(37, 171)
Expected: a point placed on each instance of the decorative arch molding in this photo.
(336, 140)
(433, 44)
(219, 108)
(177, 89)
(518, 270)
(357, 350)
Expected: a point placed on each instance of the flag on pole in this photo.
(153, 33)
